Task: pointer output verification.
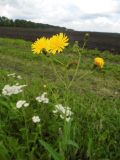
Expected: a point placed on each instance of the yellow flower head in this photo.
(99, 62)
(58, 42)
(39, 45)
(53, 45)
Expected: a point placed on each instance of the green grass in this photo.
(94, 98)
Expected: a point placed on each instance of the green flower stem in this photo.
(65, 137)
(59, 61)
(76, 70)
(26, 129)
(38, 132)
(55, 71)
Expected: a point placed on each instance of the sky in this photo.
(81, 15)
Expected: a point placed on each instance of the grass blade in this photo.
(54, 154)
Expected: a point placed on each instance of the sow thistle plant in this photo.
(52, 46)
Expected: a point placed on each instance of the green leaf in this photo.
(5, 104)
(54, 154)
(3, 152)
(70, 142)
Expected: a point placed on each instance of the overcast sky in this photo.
(82, 15)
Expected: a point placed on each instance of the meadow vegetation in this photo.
(35, 129)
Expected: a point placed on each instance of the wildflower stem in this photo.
(76, 71)
(78, 64)
(38, 131)
(26, 130)
(59, 61)
(57, 74)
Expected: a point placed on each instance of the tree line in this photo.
(6, 22)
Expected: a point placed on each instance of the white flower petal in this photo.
(15, 89)
(20, 103)
(19, 77)
(42, 98)
(36, 119)
(65, 112)
(11, 75)
(26, 105)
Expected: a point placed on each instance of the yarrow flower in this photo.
(14, 75)
(15, 89)
(19, 77)
(11, 75)
(36, 119)
(42, 98)
(54, 45)
(22, 103)
(99, 62)
(65, 112)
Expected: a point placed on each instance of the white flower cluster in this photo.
(36, 119)
(11, 75)
(14, 75)
(42, 98)
(15, 89)
(22, 103)
(19, 77)
(65, 112)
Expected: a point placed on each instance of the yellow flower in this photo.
(39, 45)
(53, 45)
(99, 62)
(47, 45)
(58, 42)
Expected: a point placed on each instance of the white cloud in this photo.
(87, 15)
(95, 6)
